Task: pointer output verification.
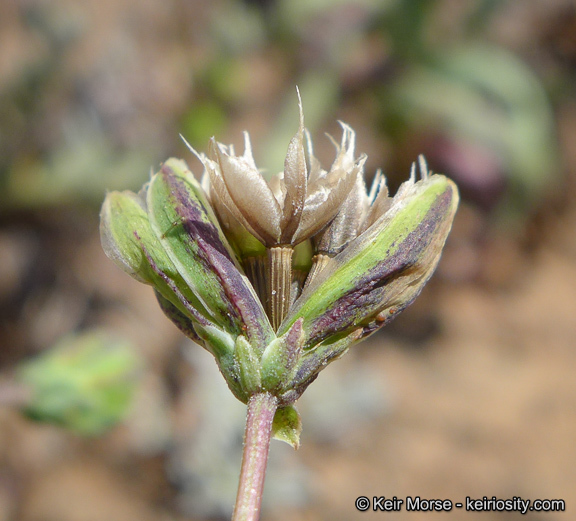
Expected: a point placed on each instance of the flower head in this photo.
(274, 320)
(292, 206)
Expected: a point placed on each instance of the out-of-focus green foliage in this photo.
(483, 97)
(408, 70)
(64, 112)
(78, 171)
(437, 83)
(99, 104)
(203, 120)
(84, 383)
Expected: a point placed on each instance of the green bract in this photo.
(376, 276)
(167, 236)
(221, 258)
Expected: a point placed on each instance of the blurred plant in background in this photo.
(419, 73)
(84, 383)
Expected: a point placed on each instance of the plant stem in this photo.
(261, 410)
(279, 283)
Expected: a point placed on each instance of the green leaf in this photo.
(84, 383)
(287, 426)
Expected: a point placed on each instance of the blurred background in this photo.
(471, 392)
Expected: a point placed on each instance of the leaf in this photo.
(84, 383)
(287, 426)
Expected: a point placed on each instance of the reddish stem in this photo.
(261, 410)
